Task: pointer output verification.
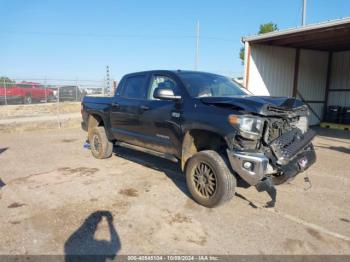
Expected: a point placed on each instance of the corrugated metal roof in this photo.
(322, 25)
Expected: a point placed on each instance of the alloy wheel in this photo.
(96, 143)
(205, 180)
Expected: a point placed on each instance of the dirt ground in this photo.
(42, 109)
(19, 118)
(55, 198)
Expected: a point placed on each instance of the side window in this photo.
(159, 81)
(135, 87)
(24, 86)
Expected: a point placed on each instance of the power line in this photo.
(159, 36)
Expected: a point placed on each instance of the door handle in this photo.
(143, 107)
(115, 105)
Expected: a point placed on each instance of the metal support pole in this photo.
(5, 89)
(45, 90)
(328, 83)
(58, 107)
(296, 73)
(76, 89)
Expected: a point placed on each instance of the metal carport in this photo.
(310, 62)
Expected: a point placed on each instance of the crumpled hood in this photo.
(262, 105)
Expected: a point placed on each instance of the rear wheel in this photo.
(209, 180)
(100, 146)
(28, 99)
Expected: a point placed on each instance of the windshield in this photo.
(205, 84)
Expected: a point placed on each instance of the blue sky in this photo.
(77, 39)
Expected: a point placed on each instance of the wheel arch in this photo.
(93, 120)
(196, 140)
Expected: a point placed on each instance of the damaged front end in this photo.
(282, 150)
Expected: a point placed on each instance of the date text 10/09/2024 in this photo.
(172, 258)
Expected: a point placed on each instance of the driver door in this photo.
(161, 119)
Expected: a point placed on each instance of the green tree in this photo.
(241, 54)
(264, 28)
(7, 81)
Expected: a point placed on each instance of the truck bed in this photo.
(97, 100)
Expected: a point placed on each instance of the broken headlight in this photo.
(250, 127)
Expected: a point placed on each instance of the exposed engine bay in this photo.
(284, 137)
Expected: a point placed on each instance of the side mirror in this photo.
(165, 94)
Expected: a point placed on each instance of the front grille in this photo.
(289, 144)
(287, 111)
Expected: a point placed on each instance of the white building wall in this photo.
(340, 79)
(312, 80)
(312, 74)
(318, 109)
(271, 70)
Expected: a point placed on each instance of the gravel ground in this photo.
(58, 199)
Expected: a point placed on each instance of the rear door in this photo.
(125, 109)
(161, 119)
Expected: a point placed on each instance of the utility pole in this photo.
(196, 64)
(107, 80)
(303, 18)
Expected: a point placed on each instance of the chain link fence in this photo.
(35, 91)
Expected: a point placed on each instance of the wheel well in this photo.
(199, 140)
(93, 121)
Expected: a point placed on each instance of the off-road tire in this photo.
(100, 146)
(225, 180)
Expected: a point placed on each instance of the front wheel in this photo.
(100, 146)
(209, 180)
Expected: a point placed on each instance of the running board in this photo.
(148, 151)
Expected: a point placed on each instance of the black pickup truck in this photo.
(216, 130)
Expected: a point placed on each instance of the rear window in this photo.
(135, 87)
(24, 86)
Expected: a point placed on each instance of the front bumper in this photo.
(261, 167)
